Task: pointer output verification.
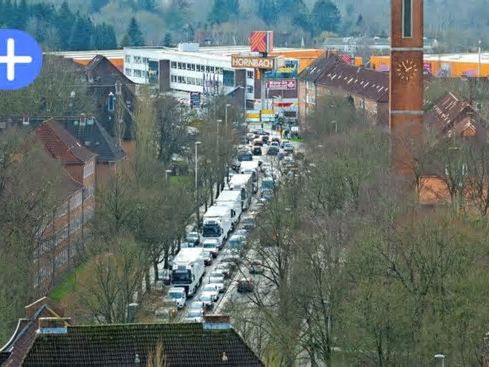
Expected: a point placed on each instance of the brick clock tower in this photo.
(406, 83)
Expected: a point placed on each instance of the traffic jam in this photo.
(210, 265)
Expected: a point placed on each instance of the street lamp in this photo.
(442, 358)
(197, 143)
(226, 115)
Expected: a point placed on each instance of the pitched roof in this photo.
(94, 137)
(61, 144)
(101, 69)
(371, 84)
(453, 116)
(15, 350)
(184, 345)
(318, 68)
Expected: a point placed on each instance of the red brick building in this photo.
(367, 89)
(63, 237)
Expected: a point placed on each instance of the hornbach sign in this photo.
(250, 62)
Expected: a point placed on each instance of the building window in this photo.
(207, 69)
(193, 67)
(138, 59)
(128, 72)
(180, 65)
(212, 69)
(138, 73)
(249, 74)
(249, 89)
(174, 78)
(173, 65)
(128, 59)
(407, 18)
(181, 79)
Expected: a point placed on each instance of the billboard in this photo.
(251, 62)
(284, 70)
(290, 84)
(261, 41)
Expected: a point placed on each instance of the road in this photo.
(231, 290)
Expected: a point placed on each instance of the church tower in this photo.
(406, 83)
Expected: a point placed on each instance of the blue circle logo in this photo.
(20, 59)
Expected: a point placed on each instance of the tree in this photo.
(267, 11)
(103, 37)
(326, 16)
(223, 10)
(30, 183)
(80, 34)
(134, 36)
(167, 40)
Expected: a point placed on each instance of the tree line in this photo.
(357, 271)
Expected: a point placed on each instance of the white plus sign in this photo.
(10, 59)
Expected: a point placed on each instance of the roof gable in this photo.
(61, 144)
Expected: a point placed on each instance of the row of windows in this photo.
(136, 73)
(196, 67)
(250, 74)
(135, 59)
(186, 80)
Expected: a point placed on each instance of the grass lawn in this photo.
(67, 286)
(296, 140)
(180, 180)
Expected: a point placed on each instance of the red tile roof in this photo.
(61, 144)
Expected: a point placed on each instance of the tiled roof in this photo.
(61, 144)
(452, 116)
(101, 69)
(94, 137)
(317, 69)
(371, 84)
(184, 345)
(13, 353)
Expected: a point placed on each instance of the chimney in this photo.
(53, 325)
(217, 322)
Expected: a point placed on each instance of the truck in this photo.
(217, 223)
(231, 199)
(250, 167)
(188, 269)
(244, 184)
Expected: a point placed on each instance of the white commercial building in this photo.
(189, 69)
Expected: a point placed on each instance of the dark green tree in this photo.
(326, 16)
(267, 11)
(134, 36)
(167, 39)
(103, 37)
(96, 5)
(80, 34)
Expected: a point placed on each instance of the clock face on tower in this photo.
(406, 69)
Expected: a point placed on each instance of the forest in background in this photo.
(89, 24)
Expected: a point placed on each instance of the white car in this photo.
(220, 287)
(211, 245)
(211, 289)
(208, 299)
(177, 295)
(194, 315)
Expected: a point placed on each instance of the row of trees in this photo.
(57, 28)
(357, 273)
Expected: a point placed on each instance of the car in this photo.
(266, 194)
(236, 241)
(245, 285)
(256, 151)
(207, 256)
(225, 268)
(207, 299)
(194, 316)
(265, 139)
(196, 305)
(282, 145)
(256, 267)
(288, 147)
(177, 295)
(165, 276)
(211, 289)
(247, 222)
(257, 143)
(276, 139)
(245, 156)
(273, 151)
(193, 237)
(211, 245)
(241, 232)
(217, 278)
(221, 287)
(275, 144)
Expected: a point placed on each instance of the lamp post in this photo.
(197, 143)
(442, 358)
(226, 115)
